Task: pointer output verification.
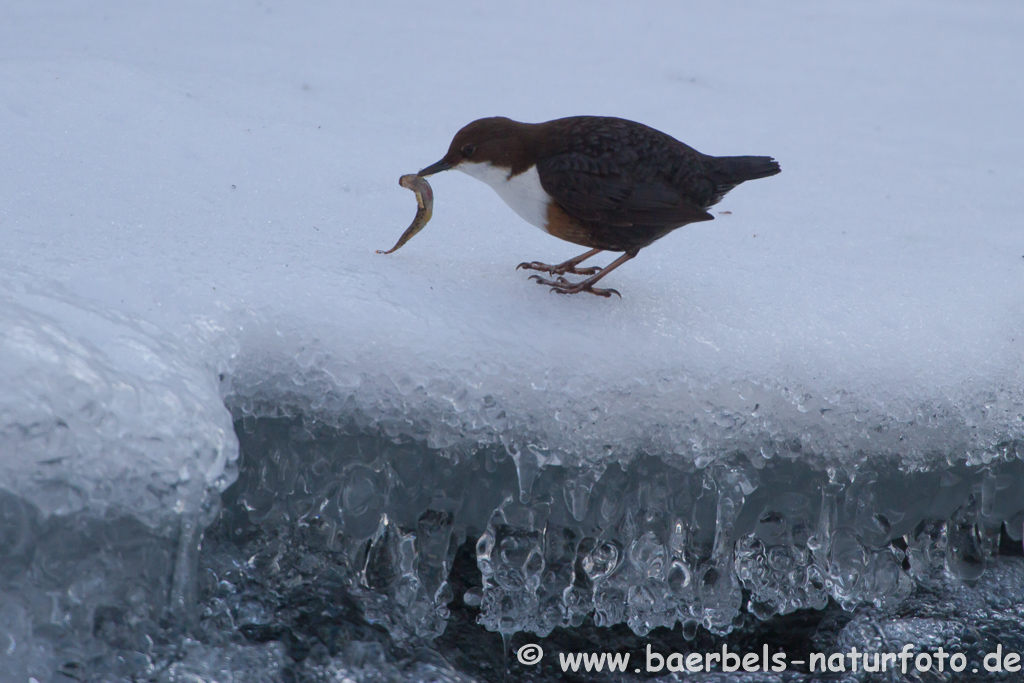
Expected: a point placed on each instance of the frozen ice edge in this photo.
(106, 414)
(110, 410)
(558, 418)
(130, 419)
(100, 397)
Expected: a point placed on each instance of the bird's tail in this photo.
(735, 170)
(728, 172)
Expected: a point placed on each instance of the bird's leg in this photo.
(563, 286)
(563, 268)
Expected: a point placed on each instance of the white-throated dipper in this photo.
(601, 182)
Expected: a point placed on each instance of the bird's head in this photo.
(496, 141)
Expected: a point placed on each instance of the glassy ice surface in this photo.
(238, 445)
(115, 446)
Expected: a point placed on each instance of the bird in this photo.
(605, 183)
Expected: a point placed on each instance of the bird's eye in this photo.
(467, 150)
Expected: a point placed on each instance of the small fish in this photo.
(425, 199)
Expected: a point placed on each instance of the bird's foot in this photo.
(563, 286)
(560, 269)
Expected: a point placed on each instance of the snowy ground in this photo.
(219, 161)
(195, 191)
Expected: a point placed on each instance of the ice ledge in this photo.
(106, 414)
(555, 416)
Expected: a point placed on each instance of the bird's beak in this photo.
(435, 168)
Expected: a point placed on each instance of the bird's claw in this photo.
(560, 281)
(576, 289)
(560, 269)
(606, 293)
(563, 286)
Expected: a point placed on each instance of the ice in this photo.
(657, 545)
(814, 402)
(115, 447)
(105, 413)
(698, 551)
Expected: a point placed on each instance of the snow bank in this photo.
(867, 300)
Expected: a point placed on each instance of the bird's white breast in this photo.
(522, 192)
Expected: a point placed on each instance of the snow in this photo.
(239, 162)
(191, 197)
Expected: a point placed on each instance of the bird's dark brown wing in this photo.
(611, 192)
